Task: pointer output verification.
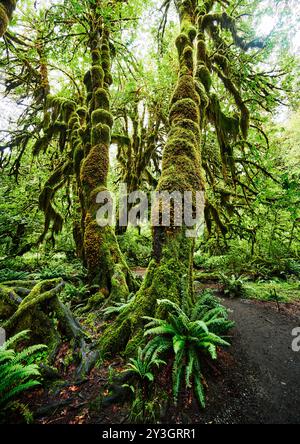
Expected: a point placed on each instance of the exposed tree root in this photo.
(49, 320)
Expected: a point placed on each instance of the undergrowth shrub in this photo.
(136, 248)
(233, 286)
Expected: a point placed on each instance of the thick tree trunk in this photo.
(170, 272)
(107, 269)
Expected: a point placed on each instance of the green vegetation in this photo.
(173, 96)
(189, 335)
(17, 373)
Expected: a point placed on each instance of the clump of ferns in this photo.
(144, 408)
(190, 335)
(118, 307)
(17, 374)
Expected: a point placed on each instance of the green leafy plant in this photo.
(118, 307)
(190, 336)
(233, 285)
(12, 275)
(143, 409)
(74, 293)
(142, 365)
(16, 375)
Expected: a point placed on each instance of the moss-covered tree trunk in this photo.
(7, 8)
(107, 269)
(170, 272)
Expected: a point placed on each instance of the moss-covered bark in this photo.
(7, 8)
(170, 272)
(107, 269)
(40, 310)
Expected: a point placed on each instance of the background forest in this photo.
(183, 95)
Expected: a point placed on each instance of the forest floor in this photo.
(255, 381)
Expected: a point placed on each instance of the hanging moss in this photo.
(201, 50)
(181, 43)
(4, 20)
(96, 57)
(222, 61)
(187, 63)
(101, 132)
(77, 159)
(245, 122)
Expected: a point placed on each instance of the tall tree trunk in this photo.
(170, 272)
(107, 269)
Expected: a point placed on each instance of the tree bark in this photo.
(106, 266)
(170, 272)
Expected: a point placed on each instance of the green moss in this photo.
(181, 42)
(201, 50)
(97, 76)
(96, 57)
(184, 109)
(119, 287)
(204, 76)
(245, 123)
(8, 302)
(108, 79)
(163, 280)
(77, 159)
(189, 125)
(101, 134)
(102, 99)
(95, 167)
(82, 112)
(4, 20)
(102, 116)
(185, 89)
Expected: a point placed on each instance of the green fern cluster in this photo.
(118, 307)
(233, 285)
(16, 375)
(142, 365)
(143, 409)
(189, 334)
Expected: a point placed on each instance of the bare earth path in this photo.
(262, 382)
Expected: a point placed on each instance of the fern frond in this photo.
(199, 390)
(15, 339)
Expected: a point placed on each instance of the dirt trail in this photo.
(263, 383)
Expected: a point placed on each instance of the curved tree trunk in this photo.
(170, 272)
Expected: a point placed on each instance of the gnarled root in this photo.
(39, 311)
